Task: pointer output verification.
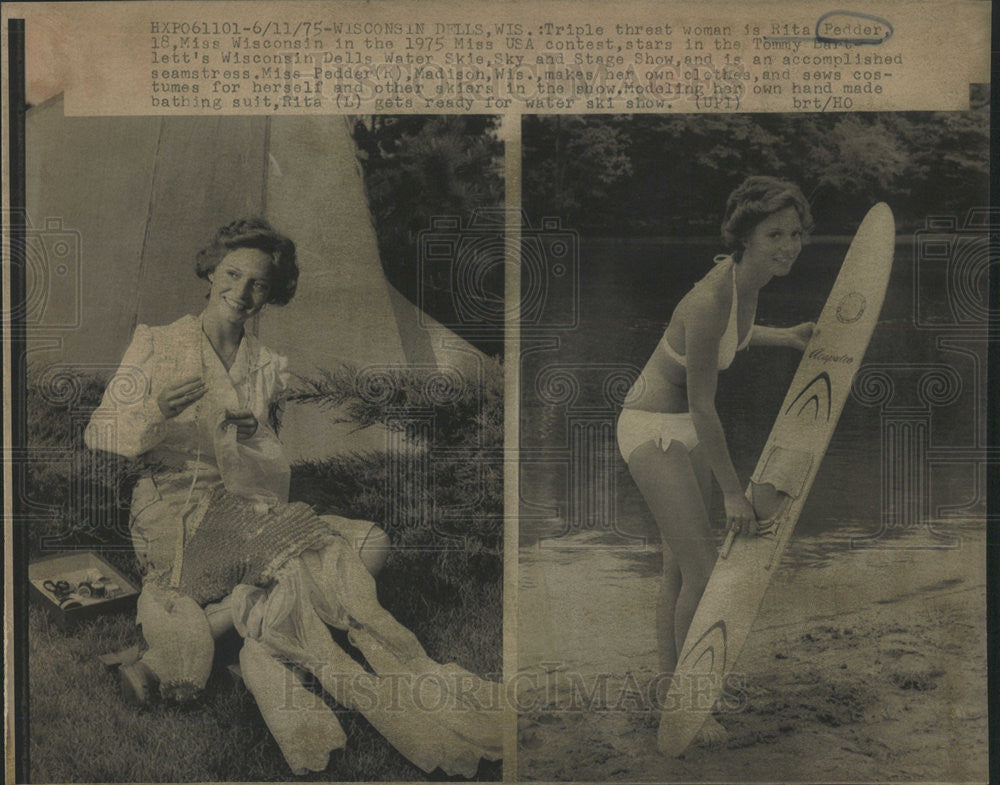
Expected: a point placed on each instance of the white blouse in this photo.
(189, 455)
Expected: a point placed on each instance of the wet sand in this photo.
(866, 663)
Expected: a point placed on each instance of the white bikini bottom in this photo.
(786, 469)
(636, 427)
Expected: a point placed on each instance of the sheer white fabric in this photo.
(436, 715)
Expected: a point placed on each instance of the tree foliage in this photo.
(670, 174)
(418, 168)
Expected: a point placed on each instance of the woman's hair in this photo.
(254, 233)
(755, 199)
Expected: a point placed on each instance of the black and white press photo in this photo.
(407, 391)
(753, 510)
(261, 497)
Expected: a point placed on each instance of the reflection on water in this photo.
(628, 288)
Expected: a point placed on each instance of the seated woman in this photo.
(219, 543)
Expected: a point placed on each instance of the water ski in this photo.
(781, 481)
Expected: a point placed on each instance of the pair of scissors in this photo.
(58, 588)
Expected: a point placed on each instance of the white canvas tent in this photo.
(136, 197)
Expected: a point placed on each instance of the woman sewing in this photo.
(220, 545)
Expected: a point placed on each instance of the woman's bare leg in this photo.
(703, 473)
(670, 487)
(676, 486)
(666, 621)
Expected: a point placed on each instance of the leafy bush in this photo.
(74, 496)
(447, 535)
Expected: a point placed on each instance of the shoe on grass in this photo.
(137, 683)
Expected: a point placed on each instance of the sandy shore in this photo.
(865, 664)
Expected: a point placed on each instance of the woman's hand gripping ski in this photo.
(800, 335)
(740, 519)
(740, 515)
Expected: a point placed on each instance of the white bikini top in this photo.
(728, 344)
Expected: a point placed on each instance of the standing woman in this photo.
(220, 544)
(669, 431)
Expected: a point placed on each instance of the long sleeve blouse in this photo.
(183, 455)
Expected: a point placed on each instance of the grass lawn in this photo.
(80, 729)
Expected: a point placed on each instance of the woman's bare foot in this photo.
(712, 734)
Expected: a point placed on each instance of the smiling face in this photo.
(241, 284)
(775, 243)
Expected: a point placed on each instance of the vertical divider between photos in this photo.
(14, 424)
(992, 440)
(511, 135)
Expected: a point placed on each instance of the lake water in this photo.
(627, 289)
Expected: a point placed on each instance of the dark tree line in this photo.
(417, 168)
(670, 174)
(660, 174)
